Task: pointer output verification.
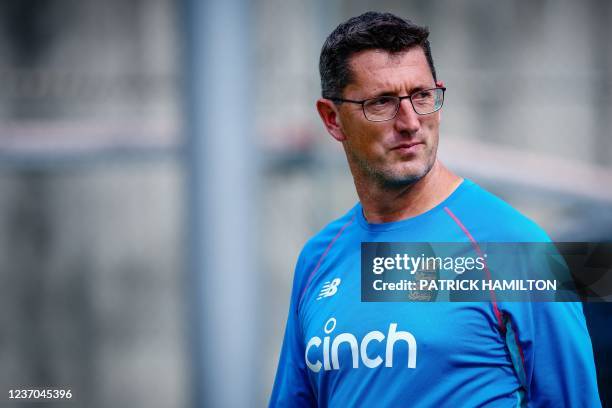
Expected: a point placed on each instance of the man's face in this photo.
(399, 151)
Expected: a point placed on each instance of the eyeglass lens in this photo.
(386, 107)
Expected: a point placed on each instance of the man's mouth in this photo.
(408, 147)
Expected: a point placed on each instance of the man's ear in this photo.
(328, 111)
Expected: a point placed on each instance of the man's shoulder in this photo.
(319, 242)
(317, 247)
(490, 218)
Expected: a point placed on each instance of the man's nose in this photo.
(407, 120)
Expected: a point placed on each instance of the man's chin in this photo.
(402, 180)
(403, 177)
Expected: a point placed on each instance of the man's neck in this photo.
(383, 204)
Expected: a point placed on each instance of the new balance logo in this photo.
(329, 288)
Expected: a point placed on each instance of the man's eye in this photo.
(381, 102)
(422, 95)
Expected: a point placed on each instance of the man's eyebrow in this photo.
(384, 93)
(393, 93)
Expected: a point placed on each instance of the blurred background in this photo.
(162, 164)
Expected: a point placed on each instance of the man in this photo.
(381, 100)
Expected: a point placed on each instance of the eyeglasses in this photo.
(383, 108)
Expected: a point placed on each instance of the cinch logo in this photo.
(329, 288)
(330, 357)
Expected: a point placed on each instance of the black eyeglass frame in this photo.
(409, 97)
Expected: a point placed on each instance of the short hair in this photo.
(369, 31)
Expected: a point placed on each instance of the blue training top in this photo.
(339, 351)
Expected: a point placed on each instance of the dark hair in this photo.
(371, 30)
